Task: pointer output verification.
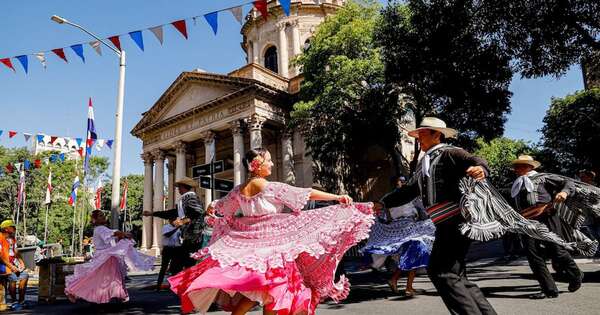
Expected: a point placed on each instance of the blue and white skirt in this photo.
(409, 242)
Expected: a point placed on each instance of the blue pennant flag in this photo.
(40, 138)
(0, 132)
(26, 165)
(137, 38)
(78, 49)
(61, 157)
(213, 20)
(285, 5)
(53, 158)
(109, 143)
(24, 62)
(79, 140)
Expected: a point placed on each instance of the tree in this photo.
(499, 153)
(433, 52)
(571, 132)
(344, 106)
(135, 201)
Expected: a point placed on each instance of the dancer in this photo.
(103, 278)
(406, 234)
(540, 196)
(437, 182)
(283, 261)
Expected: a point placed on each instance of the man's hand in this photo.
(477, 172)
(560, 197)
(147, 213)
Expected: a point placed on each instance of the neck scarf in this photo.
(426, 163)
(520, 182)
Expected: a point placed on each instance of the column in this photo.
(283, 50)
(238, 151)
(171, 182)
(180, 163)
(159, 179)
(209, 155)
(296, 46)
(287, 158)
(255, 124)
(148, 197)
(255, 53)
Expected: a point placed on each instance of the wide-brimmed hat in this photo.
(528, 160)
(436, 124)
(187, 181)
(7, 223)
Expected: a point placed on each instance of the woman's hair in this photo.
(251, 154)
(96, 213)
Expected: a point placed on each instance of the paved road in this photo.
(506, 285)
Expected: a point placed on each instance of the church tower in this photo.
(275, 41)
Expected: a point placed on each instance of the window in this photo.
(271, 59)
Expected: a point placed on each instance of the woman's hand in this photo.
(344, 199)
(210, 210)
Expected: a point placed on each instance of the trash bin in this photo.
(28, 254)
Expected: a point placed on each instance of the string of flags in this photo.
(75, 143)
(212, 18)
(27, 165)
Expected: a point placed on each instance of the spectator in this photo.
(13, 264)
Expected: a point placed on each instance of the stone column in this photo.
(238, 151)
(148, 197)
(255, 52)
(180, 163)
(255, 124)
(287, 158)
(159, 178)
(283, 51)
(296, 46)
(171, 182)
(209, 155)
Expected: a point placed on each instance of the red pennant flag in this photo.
(115, 40)
(52, 139)
(9, 168)
(80, 151)
(8, 63)
(180, 26)
(60, 53)
(261, 6)
(37, 163)
(11, 133)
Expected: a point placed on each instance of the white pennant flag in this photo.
(100, 144)
(42, 58)
(237, 13)
(27, 136)
(158, 32)
(96, 45)
(18, 166)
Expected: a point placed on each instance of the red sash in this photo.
(443, 211)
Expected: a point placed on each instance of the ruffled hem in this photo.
(101, 286)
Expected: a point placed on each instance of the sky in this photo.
(54, 101)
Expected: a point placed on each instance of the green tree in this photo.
(571, 133)
(499, 153)
(344, 106)
(135, 201)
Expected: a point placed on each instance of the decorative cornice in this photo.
(180, 147)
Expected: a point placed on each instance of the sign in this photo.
(219, 184)
(205, 182)
(204, 169)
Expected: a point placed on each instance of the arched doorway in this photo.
(271, 59)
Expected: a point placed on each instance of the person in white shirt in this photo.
(171, 252)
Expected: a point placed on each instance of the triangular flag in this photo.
(137, 38)
(26, 165)
(40, 138)
(109, 143)
(11, 133)
(1, 132)
(61, 157)
(261, 6)
(96, 45)
(60, 53)
(213, 20)
(8, 63)
(285, 5)
(80, 151)
(99, 144)
(9, 168)
(158, 32)
(115, 40)
(237, 13)
(24, 62)
(53, 158)
(78, 140)
(180, 26)
(37, 163)
(18, 166)
(53, 139)
(42, 58)
(27, 136)
(78, 49)
(46, 160)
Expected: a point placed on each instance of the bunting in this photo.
(8, 63)
(285, 5)
(213, 20)
(158, 33)
(180, 26)
(42, 58)
(27, 136)
(261, 6)
(24, 62)
(115, 40)
(96, 45)
(138, 39)
(78, 49)
(11, 133)
(60, 53)
(237, 13)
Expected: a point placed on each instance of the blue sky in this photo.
(53, 101)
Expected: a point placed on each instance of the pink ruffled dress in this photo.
(284, 261)
(102, 278)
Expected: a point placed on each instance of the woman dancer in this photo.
(406, 234)
(283, 261)
(102, 278)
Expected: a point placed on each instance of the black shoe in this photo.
(542, 295)
(576, 284)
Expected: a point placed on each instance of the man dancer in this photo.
(436, 181)
(535, 196)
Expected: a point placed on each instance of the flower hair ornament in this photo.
(255, 164)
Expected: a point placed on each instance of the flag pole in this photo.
(73, 231)
(46, 224)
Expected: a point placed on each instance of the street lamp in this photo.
(116, 181)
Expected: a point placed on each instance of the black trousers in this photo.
(170, 260)
(188, 248)
(447, 271)
(538, 251)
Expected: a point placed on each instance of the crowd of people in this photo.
(279, 246)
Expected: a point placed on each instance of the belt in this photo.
(443, 211)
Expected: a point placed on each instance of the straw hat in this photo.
(436, 124)
(528, 160)
(187, 181)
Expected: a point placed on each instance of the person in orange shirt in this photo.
(12, 263)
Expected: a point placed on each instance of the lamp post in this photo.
(116, 181)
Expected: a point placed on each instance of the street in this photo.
(506, 286)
